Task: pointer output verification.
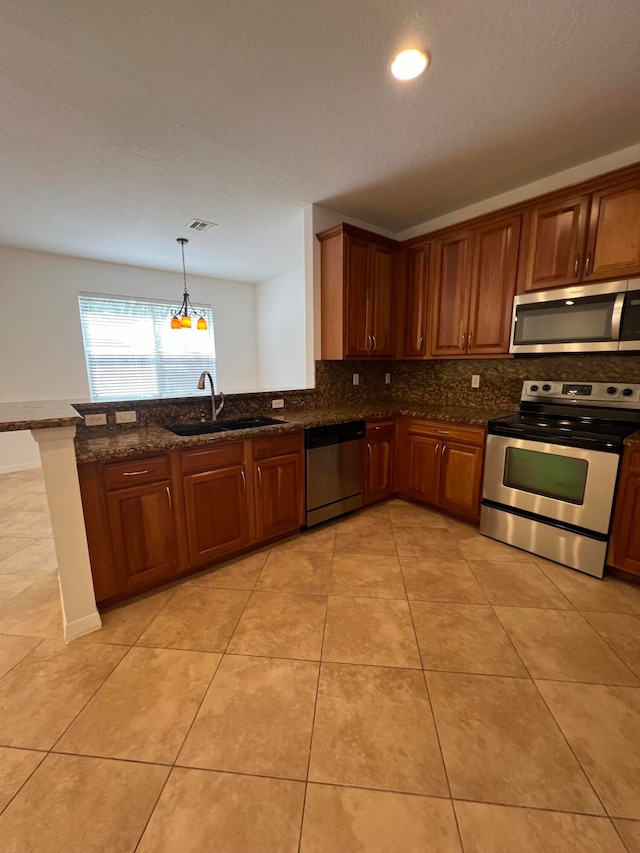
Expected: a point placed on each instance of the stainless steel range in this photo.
(551, 469)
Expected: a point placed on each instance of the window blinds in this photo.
(133, 354)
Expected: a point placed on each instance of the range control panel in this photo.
(621, 395)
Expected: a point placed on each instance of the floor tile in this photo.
(430, 543)
(561, 645)
(23, 500)
(43, 693)
(196, 618)
(14, 649)
(10, 545)
(296, 571)
(464, 638)
(124, 624)
(630, 833)
(602, 724)
(320, 538)
(503, 829)
(373, 729)
(279, 624)
(144, 709)
(38, 558)
(256, 718)
(440, 580)
(622, 632)
(372, 576)
(587, 593)
(411, 515)
(12, 585)
(365, 540)
(200, 811)
(30, 525)
(35, 612)
(79, 804)
(370, 631)
(16, 765)
(501, 744)
(358, 821)
(517, 585)
(484, 548)
(236, 574)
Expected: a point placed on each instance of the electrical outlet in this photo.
(387, 379)
(356, 378)
(277, 404)
(126, 417)
(95, 420)
(475, 380)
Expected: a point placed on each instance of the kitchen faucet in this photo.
(201, 385)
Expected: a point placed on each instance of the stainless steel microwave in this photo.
(585, 318)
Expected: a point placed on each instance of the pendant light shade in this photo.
(182, 317)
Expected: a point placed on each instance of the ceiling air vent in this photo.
(200, 225)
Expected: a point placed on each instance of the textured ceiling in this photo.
(123, 120)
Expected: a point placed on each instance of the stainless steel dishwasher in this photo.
(335, 470)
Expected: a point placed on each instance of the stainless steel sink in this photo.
(222, 426)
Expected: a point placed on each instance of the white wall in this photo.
(280, 331)
(41, 350)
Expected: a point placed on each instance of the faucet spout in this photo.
(201, 386)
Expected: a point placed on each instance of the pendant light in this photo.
(183, 316)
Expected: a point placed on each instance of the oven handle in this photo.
(616, 317)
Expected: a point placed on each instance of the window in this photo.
(133, 354)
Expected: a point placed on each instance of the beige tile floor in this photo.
(391, 682)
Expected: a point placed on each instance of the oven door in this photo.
(567, 484)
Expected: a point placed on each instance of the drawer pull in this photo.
(136, 473)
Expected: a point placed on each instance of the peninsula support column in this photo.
(79, 612)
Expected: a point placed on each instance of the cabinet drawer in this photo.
(277, 445)
(381, 429)
(136, 472)
(451, 432)
(212, 457)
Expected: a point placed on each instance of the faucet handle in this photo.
(221, 406)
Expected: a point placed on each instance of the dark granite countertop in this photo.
(95, 444)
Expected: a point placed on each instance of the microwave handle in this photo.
(616, 317)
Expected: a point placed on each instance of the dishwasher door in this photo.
(335, 479)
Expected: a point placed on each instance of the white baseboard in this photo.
(21, 466)
(80, 627)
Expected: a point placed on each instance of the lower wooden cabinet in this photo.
(440, 464)
(216, 513)
(379, 461)
(279, 495)
(624, 546)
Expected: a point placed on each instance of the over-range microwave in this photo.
(585, 318)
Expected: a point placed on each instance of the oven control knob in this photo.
(546, 387)
(611, 389)
(627, 392)
(534, 388)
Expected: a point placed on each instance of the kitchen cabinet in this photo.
(624, 545)
(357, 294)
(415, 329)
(440, 464)
(473, 286)
(215, 502)
(379, 461)
(278, 485)
(588, 237)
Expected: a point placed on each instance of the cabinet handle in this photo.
(375, 343)
(136, 473)
(244, 481)
(260, 477)
(421, 340)
(368, 343)
(587, 263)
(463, 339)
(469, 340)
(576, 266)
(442, 432)
(169, 496)
(369, 451)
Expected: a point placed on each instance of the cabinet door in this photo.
(143, 534)
(414, 344)
(217, 516)
(279, 494)
(357, 334)
(421, 468)
(556, 240)
(613, 244)
(378, 470)
(461, 479)
(493, 285)
(624, 547)
(451, 286)
(379, 301)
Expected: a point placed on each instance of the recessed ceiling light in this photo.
(409, 64)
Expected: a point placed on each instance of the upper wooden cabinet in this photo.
(589, 237)
(357, 294)
(414, 329)
(474, 281)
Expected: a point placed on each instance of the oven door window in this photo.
(548, 474)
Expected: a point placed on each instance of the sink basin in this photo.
(221, 426)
